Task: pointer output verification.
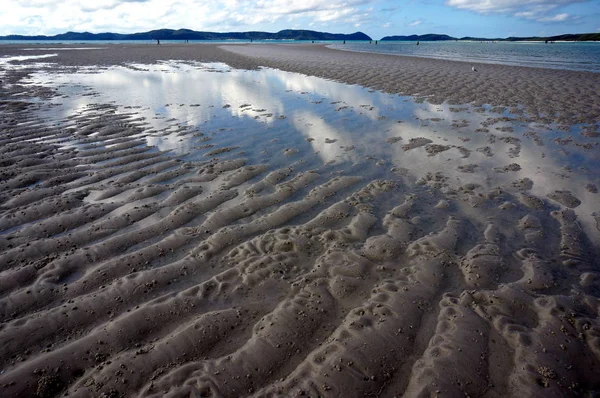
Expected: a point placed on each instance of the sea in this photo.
(579, 56)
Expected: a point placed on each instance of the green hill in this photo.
(187, 34)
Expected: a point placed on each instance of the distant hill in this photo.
(428, 37)
(568, 37)
(435, 37)
(287, 34)
(187, 34)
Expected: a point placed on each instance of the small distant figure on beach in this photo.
(417, 42)
(473, 69)
(157, 42)
(344, 41)
(375, 41)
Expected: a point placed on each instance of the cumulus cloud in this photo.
(137, 15)
(313, 10)
(106, 4)
(556, 18)
(34, 3)
(539, 10)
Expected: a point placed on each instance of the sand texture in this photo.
(127, 270)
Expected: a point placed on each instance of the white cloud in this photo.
(501, 6)
(415, 22)
(538, 10)
(525, 14)
(555, 18)
(106, 4)
(124, 16)
(34, 3)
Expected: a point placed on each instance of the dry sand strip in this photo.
(127, 271)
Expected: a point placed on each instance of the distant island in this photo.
(187, 34)
(287, 34)
(436, 37)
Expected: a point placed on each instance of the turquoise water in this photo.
(582, 56)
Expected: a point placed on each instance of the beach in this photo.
(268, 220)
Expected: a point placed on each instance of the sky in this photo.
(376, 18)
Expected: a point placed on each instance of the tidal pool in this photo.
(270, 116)
(186, 229)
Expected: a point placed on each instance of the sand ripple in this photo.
(127, 271)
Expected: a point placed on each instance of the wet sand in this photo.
(549, 94)
(130, 271)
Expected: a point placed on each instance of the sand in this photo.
(129, 271)
(550, 94)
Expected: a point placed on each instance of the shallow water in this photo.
(583, 56)
(191, 229)
(281, 118)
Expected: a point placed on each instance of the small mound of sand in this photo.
(565, 198)
(416, 143)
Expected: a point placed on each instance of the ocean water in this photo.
(581, 56)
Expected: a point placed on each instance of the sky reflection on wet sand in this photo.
(319, 122)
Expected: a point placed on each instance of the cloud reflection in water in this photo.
(266, 111)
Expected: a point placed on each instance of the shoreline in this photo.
(250, 263)
(560, 96)
(519, 63)
(571, 96)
